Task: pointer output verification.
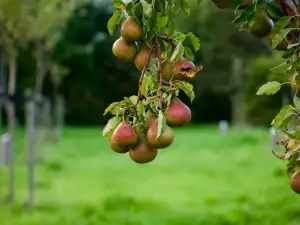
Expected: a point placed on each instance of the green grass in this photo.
(204, 178)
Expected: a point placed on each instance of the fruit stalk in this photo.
(160, 74)
(143, 75)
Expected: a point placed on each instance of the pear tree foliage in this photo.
(278, 21)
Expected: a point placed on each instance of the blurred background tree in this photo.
(235, 65)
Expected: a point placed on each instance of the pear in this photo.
(167, 70)
(124, 50)
(261, 25)
(141, 57)
(131, 30)
(124, 136)
(172, 70)
(177, 113)
(143, 152)
(295, 182)
(114, 146)
(164, 140)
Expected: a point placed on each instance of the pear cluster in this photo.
(142, 145)
(131, 47)
(126, 47)
(142, 138)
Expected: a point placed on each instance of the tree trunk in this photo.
(40, 68)
(2, 80)
(2, 90)
(237, 98)
(40, 76)
(10, 110)
(30, 125)
(59, 116)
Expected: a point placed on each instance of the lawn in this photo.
(203, 178)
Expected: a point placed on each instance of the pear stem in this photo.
(161, 80)
(143, 75)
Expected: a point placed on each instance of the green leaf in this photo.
(187, 88)
(161, 124)
(282, 23)
(188, 53)
(111, 125)
(273, 11)
(187, 11)
(296, 102)
(171, 28)
(141, 111)
(114, 21)
(129, 8)
(247, 14)
(128, 102)
(162, 21)
(281, 68)
(147, 8)
(269, 88)
(147, 82)
(296, 64)
(283, 117)
(133, 99)
(290, 135)
(195, 41)
(296, 134)
(111, 107)
(137, 10)
(280, 37)
(118, 4)
(289, 72)
(180, 37)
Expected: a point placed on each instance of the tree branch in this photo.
(161, 81)
(143, 74)
(288, 8)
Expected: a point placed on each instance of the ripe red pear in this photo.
(124, 136)
(295, 182)
(143, 152)
(164, 140)
(115, 147)
(124, 50)
(131, 30)
(177, 113)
